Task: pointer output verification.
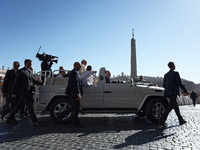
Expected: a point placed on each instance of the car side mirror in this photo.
(131, 82)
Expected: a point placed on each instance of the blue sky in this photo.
(100, 31)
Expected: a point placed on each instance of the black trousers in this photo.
(194, 101)
(23, 110)
(75, 109)
(10, 104)
(172, 105)
(28, 100)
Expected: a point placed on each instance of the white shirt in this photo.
(87, 78)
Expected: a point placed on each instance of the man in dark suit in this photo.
(172, 82)
(6, 90)
(24, 86)
(74, 91)
(193, 96)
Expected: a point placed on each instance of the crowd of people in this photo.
(18, 88)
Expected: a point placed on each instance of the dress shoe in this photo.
(182, 122)
(10, 122)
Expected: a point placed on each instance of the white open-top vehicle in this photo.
(102, 97)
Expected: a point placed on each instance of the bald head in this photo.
(77, 66)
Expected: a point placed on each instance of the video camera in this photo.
(43, 57)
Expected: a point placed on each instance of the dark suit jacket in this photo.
(74, 86)
(193, 95)
(8, 82)
(172, 82)
(24, 83)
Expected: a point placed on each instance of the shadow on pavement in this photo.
(142, 137)
(145, 131)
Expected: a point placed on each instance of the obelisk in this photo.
(133, 58)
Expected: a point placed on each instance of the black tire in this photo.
(154, 109)
(59, 106)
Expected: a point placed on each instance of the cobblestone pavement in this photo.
(101, 131)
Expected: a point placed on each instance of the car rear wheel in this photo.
(59, 106)
(154, 109)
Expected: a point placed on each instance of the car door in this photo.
(92, 97)
(118, 95)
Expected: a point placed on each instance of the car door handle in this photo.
(107, 92)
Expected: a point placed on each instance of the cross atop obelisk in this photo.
(132, 33)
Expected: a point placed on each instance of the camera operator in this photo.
(47, 62)
(46, 66)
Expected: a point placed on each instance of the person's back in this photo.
(169, 83)
(193, 95)
(172, 82)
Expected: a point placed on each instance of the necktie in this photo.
(30, 77)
